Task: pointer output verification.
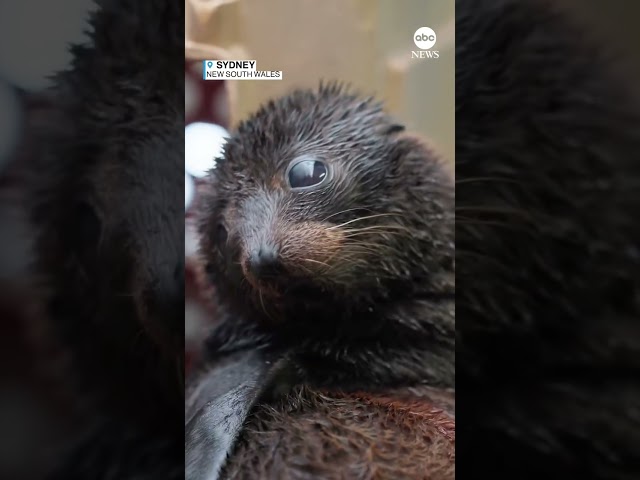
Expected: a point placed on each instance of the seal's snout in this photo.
(286, 254)
(264, 261)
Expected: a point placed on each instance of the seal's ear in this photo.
(420, 160)
(394, 128)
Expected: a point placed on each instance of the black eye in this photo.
(307, 173)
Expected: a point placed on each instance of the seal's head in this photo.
(322, 199)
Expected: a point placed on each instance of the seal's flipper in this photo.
(219, 402)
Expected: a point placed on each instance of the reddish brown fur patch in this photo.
(346, 436)
(411, 411)
(277, 183)
(310, 247)
(442, 399)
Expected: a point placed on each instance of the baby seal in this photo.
(328, 234)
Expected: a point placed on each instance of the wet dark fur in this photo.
(107, 184)
(376, 318)
(384, 294)
(548, 242)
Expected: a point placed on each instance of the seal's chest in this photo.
(311, 434)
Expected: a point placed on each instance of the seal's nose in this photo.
(264, 261)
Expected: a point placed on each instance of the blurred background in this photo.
(365, 43)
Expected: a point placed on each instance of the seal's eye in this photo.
(307, 173)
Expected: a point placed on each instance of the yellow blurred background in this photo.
(367, 43)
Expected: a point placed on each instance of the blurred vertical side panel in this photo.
(91, 239)
(548, 239)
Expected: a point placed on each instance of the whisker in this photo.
(333, 255)
(364, 218)
(315, 261)
(374, 227)
(374, 246)
(360, 234)
(345, 211)
(367, 231)
(363, 250)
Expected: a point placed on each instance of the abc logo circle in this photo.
(424, 38)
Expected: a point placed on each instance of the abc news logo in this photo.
(425, 39)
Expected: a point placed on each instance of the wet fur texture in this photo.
(107, 184)
(315, 434)
(381, 292)
(376, 313)
(547, 236)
